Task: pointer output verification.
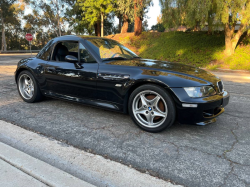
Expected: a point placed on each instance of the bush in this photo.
(158, 27)
(192, 48)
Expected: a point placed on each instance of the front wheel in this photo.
(28, 87)
(152, 108)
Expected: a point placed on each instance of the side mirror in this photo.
(71, 58)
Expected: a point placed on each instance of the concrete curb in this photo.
(14, 177)
(88, 167)
(38, 169)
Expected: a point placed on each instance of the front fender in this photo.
(34, 66)
(133, 84)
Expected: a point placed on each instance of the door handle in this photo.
(78, 66)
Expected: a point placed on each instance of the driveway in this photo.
(214, 155)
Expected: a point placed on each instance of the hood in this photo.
(171, 67)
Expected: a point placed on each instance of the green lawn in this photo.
(193, 48)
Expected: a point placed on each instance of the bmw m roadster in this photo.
(103, 73)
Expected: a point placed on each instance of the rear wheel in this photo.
(28, 88)
(152, 108)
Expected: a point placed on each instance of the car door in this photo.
(112, 82)
(68, 79)
(112, 79)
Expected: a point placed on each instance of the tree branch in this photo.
(233, 28)
(239, 33)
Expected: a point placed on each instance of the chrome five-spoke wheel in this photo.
(26, 86)
(152, 108)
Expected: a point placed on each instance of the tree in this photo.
(194, 13)
(75, 17)
(158, 27)
(95, 11)
(140, 7)
(138, 14)
(125, 9)
(6, 16)
(159, 19)
(230, 13)
(50, 12)
(145, 25)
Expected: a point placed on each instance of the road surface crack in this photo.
(227, 176)
(234, 143)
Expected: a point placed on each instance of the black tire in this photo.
(166, 121)
(37, 96)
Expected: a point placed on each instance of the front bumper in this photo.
(207, 109)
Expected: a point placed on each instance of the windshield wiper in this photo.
(115, 58)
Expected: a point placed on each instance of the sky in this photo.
(153, 12)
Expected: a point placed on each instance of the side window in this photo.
(45, 53)
(72, 46)
(62, 49)
(85, 56)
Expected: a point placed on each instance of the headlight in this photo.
(203, 91)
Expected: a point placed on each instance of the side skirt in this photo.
(89, 102)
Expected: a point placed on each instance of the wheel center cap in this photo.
(149, 108)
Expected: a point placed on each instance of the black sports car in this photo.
(103, 73)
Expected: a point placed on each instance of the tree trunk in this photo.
(102, 29)
(197, 26)
(95, 26)
(89, 31)
(59, 26)
(210, 29)
(120, 23)
(210, 21)
(228, 43)
(4, 46)
(138, 26)
(232, 40)
(98, 28)
(138, 20)
(125, 24)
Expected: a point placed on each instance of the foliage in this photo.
(195, 48)
(74, 17)
(92, 9)
(185, 12)
(10, 11)
(141, 7)
(48, 14)
(195, 13)
(7, 10)
(125, 7)
(158, 27)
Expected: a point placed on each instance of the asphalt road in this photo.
(214, 155)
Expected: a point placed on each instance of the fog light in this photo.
(189, 105)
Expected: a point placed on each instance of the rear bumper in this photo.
(206, 111)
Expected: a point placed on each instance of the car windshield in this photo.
(110, 49)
